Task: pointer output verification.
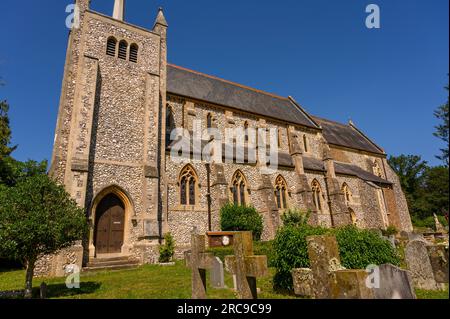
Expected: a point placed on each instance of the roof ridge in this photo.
(331, 121)
(229, 82)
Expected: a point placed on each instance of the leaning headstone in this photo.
(438, 255)
(198, 260)
(43, 291)
(418, 263)
(351, 284)
(392, 282)
(437, 224)
(302, 280)
(245, 265)
(216, 274)
(324, 259)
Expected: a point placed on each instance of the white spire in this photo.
(119, 9)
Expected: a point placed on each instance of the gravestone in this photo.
(393, 283)
(245, 265)
(351, 284)
(324, 258)
(437, 224)
(438, 255)
(302, 280)
(198, 260)
(43, 291)
(216, 274)
(418, 263)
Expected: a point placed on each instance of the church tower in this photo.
(109, 151)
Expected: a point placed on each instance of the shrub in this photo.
(391, 230)
(295, 217)
(241, 218)
(167, 250)
(290, 251)
(357, 248)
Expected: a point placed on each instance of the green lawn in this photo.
(148, 282)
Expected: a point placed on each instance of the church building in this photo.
(120, 101)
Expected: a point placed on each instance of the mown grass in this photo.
(149, 282)
(146, 282)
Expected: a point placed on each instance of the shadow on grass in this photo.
(54, 291)
(61, 290)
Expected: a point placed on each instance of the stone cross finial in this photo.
(245, 266)
(198, 260)
(119, 9)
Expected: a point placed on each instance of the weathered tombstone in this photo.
(302, 280)
(324, 259)
(393, 283)
(351, 284)
(245, 265)
(439, 262)
(216, 274)
(418, 263)
(43, 291)
(198, 260)
(438, 226)
(415, 236)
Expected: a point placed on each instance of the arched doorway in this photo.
(109, 225)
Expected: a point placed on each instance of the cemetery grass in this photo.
(145, 282)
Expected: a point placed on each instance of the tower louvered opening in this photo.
(123, 46)
(134, 53)
(111, 47)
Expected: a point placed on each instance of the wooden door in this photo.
(110, 219)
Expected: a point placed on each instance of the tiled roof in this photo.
(347, 136)
(203, 87)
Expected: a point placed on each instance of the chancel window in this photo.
(377, 169)
(305, 143)
(188, 186)
(239, 189)
(317, 195)
(347, 194)
(281, 192)
(170, 123)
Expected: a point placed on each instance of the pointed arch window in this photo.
(170, 123)
(188, 186)
(347, 194)
(317, 195)
(123, 48)
(111, 46)
(281, 192)
(134, 49)
(377, 169)
(209, 120)
(246, 131)
(239, 189)
(279, 137)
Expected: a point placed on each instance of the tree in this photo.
(442, 129)
(5, 131)
(409, 169)
(37, 218)
(6, 161)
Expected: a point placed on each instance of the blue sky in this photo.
(388, 80)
